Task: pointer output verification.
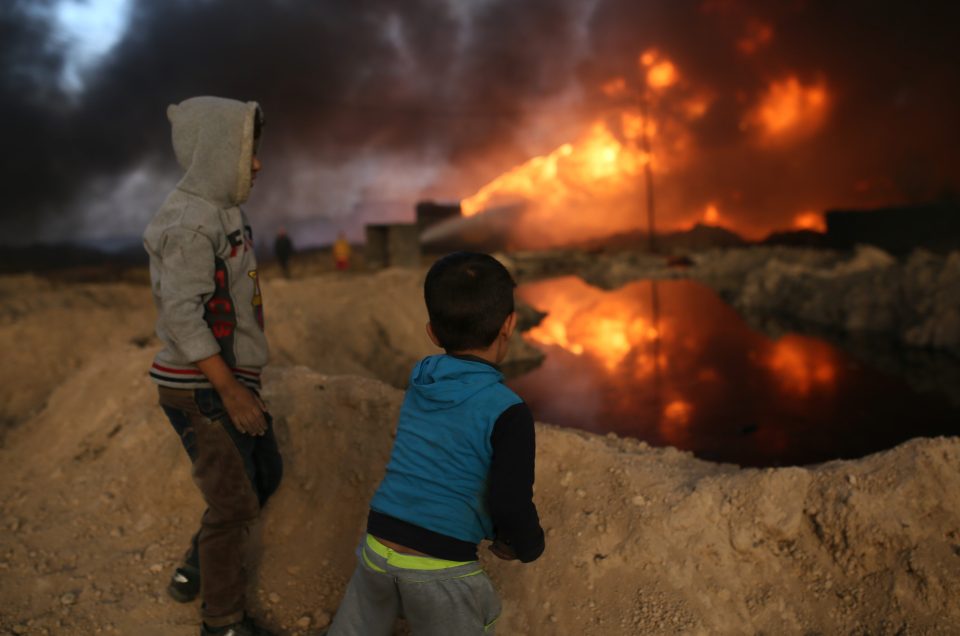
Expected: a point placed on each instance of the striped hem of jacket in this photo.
(190, 377)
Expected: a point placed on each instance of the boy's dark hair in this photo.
(468, 297)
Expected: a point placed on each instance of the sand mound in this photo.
(368, 325)
(48, 330)
(97, 505)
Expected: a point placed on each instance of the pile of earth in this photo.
(372, 325)
(97, 503)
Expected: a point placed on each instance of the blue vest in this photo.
(437, 474)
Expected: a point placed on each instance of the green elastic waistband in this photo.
(408, 561)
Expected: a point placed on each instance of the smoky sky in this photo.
(450, 84)
(891, 71)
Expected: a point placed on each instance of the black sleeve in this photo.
(511, 483)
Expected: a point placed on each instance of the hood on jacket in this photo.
(213, 141)
(443, 381)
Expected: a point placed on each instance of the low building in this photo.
(392, 245)
(897, 230)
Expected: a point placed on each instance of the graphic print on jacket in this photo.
(257, 297)
(220, 314)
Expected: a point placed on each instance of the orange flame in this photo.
(660, 72)
(678, 411)
(789, 108)
(810, 220)
(601, 171)
(633, 126)
(662, 75)
(758, 35)
(535, 175)
(615, 87)
(711, 216)
(675, 421)
(595, 185)
(696, 108)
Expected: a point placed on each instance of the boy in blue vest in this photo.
(461, 470)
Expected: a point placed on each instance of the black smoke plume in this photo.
(452, 82)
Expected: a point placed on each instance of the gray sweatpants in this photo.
(435, 600)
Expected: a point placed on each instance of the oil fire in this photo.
(810, 220)
(758, 35)
(660, 72)
(675, 420)
(789, 109)
(582, 190)
(711, 215)
(616, 87)
(597, 166)
(596, 186)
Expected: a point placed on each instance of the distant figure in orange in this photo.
(341, 252)
(283, 249)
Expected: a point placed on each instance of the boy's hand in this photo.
(502, 551)
(245, 409)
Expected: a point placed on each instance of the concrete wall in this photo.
(393, 245)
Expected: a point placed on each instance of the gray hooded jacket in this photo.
(202, 266)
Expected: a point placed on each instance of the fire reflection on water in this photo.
(670, 363)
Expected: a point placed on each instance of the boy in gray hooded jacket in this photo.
(210, 320)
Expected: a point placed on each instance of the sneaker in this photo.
(184, 585)
(246, 627)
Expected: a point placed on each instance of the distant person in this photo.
(461, 470)
(341, 252)
(210, 321)
(283, 249)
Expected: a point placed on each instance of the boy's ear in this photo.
(509, 324)
(433, 336)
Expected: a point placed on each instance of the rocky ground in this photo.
(97, 504)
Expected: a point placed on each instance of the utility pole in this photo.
(647, 167)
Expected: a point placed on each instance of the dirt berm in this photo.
(97, 505)
(96, 502)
